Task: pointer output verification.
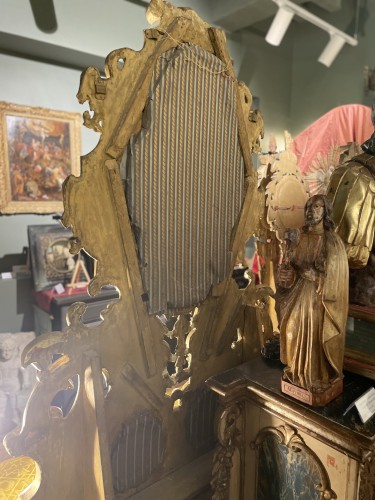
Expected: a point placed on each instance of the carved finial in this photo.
(155, 11)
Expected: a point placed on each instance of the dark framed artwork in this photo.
(50, 258)
(39, 148)
(360, 341)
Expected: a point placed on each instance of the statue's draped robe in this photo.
(352, 193)
(313, 313)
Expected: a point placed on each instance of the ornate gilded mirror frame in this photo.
(139, 375)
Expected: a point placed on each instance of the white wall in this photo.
(96, 27)
(267, 71)
(317, 89)
(36, 84)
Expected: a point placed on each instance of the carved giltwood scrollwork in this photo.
(129, 342)
(286, 195)
(178, 377)
(229, 442)
(289, 437)
(60, 357)
(367, 478)
(176, 27)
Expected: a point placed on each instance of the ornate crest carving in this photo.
(229, 442)
(296, 452)
(286, 194)
(367, 478)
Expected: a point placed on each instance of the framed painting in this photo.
(39, 148)
(50, 258)
(360, 341)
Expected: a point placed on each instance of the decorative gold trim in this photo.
(283, 213)
(176, 26)
(367, 478)
(19, 478)
(360, 312)
(229, 442)
(353, 363)
(9, 206)
(355, 360)
(311, 423)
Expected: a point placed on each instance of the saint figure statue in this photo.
(352, 194)
(312, 301)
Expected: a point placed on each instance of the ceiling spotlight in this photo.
(279, 26)
(283, 18)
(332, 49)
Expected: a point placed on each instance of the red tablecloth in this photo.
(44, 298)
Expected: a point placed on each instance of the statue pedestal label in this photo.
(312, 398)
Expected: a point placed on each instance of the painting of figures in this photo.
(39, 149)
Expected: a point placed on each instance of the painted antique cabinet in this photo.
(272, 446)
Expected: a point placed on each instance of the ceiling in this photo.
(78, 34)
(236, 15)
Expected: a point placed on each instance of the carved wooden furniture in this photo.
(164, 203)
(274, 445)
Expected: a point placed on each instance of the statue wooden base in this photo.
(312, 398)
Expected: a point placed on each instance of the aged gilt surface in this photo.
(230, 438)
(312, 302)
(139, 374)
(288, 439)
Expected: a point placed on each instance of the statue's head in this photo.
(318, 208)
(7, 348)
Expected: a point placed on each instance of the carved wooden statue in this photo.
(352, 193)
(312, 300)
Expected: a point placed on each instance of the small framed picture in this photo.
(50, 258)
(39, 148)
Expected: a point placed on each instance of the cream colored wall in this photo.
(36, 84)
(316, 89)
(95, 27)
(267, 71)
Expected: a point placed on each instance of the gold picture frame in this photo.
(39, 148)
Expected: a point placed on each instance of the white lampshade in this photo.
(331, 50)
(279, 26)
